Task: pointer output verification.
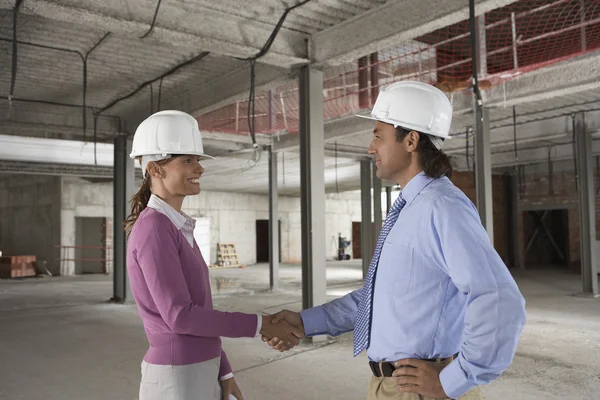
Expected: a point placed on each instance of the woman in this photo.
(169, 277)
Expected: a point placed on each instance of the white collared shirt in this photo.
(186, 225)
(181, 220)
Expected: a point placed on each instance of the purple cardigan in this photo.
(171, 287)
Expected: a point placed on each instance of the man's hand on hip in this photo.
(418, 376)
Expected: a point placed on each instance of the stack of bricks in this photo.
(17, 267)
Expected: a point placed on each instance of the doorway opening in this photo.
(91, 251)
(262, 240)
(547, 238)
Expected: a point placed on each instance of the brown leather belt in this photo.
(387, 368)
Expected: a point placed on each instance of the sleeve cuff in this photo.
(258, 325)
(225, 377)
(454, 380)
(315, 321)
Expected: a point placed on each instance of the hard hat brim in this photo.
(142, 153)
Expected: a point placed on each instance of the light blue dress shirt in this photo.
(440, 289)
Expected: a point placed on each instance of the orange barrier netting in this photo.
(521, 37)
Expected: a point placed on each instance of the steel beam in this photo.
(377, 221)
(587, 209)
(483, 171)
(312, 186)
(273, 223)
(366, 226)
(124, 189)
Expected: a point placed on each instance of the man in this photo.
(439, 312)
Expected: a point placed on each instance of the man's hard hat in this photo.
(166, 133)
(414, 105)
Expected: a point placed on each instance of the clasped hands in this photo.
(283, 330)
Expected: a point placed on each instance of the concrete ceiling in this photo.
(215, 35)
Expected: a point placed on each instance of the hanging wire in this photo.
(283, 166)
(575, 151)
(251, 97)
(153, 21)
(514, 113)
(14, 54)
(337, 189)
(160, 92)
(467, 148)
(151, 100)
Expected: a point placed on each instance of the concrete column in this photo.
(124, 189)
(587, 210)
(377, 221)
(366, 227)
(483, 169)
(312, 186)
(273, 222)
(512, 219)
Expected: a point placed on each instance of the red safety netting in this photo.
(521, 37)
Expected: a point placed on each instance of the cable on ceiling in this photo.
(153, 21)
(251, 96)
(14, 53)
(84, 109)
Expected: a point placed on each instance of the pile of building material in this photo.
(17, 266)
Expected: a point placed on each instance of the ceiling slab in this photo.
(178, 23)
(392, 23)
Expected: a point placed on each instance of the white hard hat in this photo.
(166, 133)
(417, 106)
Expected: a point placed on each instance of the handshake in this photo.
(283, 330)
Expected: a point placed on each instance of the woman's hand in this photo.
(228, 387)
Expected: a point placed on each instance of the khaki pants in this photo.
(385, 389)
(181, 382)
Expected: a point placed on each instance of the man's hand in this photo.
(280, 330)
(228, 387)
(418, 376)
(292, 318)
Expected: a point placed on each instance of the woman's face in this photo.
(180, 176)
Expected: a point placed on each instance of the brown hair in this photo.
(435, 162)
(140, 200)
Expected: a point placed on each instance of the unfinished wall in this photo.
(232, 218)
(30, 217)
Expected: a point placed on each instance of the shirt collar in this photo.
(178, 218)
(415, 186)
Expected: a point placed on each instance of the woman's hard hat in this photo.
(166, 133)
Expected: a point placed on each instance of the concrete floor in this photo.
(61, 340)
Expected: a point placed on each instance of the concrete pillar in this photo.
(512, 219)
(483, 169)
(312, 186)
(587, 210)
(273, 223)
(366, 227)
(124, 189)
(363, 82)
(377, 219)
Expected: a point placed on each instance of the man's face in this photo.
(392, 157)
